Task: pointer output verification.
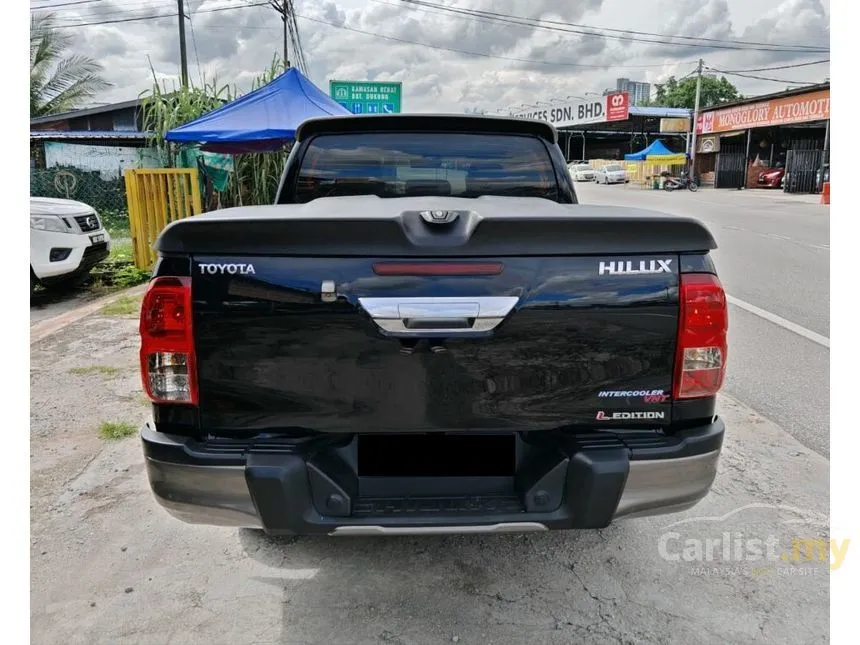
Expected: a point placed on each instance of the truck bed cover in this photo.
(363, 226)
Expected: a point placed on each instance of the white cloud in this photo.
(238, 44)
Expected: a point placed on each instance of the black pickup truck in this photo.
(425, 334)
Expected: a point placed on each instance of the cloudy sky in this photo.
(448, 61)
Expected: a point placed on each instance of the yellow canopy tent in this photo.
(653, 160)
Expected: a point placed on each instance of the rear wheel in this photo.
(692, 186)
(668, 187)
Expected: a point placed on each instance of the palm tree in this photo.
(58, 82)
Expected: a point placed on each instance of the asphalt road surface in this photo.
(774, 262)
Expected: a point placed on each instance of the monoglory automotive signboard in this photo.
(812, 106)
(612, 107)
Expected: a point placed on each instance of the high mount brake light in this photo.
(167, 361)
(437, 268)
(700, 362)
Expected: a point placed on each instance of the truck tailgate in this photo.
(432, 332)
(397, 353)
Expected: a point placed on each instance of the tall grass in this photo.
(256, 176)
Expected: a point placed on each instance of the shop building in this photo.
(609, 127)
(778, 141)
(614, 139)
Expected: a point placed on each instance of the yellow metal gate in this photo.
(157, 197)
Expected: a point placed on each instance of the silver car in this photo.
(581, 172)
(611, 174)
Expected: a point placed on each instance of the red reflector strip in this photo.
(438, 268)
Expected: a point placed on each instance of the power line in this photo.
(540, 23)
(194, 45)
(112, 22)
(63, 4)
(166, 15)
(767, 69)
(448, 49)
(587, 30)
(128, 9)
(686, 76)
(301, 49)
(124, 10)
(761, 78)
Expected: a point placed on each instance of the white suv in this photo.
(67, 239)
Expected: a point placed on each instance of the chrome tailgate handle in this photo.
(438, 315)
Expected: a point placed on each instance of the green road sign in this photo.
(364, 97)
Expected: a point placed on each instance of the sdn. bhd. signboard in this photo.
(365, 97)
(612, 107)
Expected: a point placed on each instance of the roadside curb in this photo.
(45, 328)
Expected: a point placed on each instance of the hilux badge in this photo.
(634, 268)
(439, 217)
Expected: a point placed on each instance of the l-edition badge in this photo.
(627, 416)
(633, 268)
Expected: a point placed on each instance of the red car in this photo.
(771, 178)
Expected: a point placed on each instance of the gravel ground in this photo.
(108, 565)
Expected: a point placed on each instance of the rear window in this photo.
(582, 168)
(613, 168)
(404, 164)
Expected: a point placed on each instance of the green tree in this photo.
(59, 82)
(682, 94)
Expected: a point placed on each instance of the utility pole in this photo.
(183, 55)
(283, 10)
(286, 51)
(692, 172)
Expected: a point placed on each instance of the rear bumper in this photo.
(581, 481)
(769, 182)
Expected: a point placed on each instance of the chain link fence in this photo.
(89, 187)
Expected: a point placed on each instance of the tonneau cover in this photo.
(471, 124)
(369, 226)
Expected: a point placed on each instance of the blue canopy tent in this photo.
(265, 119)
(655, 149)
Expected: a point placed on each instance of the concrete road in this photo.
(48, 304)
(774, 262)
(109, 566)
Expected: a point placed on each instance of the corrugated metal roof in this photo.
(662, 112)
(89, 134)
(74, 114)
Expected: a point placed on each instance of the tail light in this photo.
(700, 363)
(167, 361)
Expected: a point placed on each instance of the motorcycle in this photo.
(679, 183)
